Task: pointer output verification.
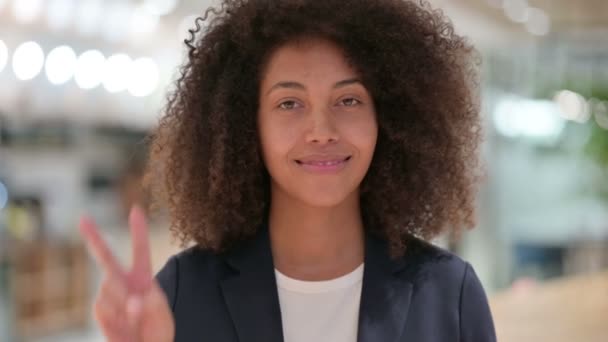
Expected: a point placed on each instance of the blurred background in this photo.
(82, 82)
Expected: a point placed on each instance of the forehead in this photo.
(316, 59)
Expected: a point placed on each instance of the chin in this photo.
(316, 194)
(325, 198)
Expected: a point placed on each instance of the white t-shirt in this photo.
(320, 311)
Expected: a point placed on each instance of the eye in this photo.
(287, 105)
(350, 102)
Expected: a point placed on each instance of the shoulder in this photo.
(426, 261)
(440, 276)
(444, 283)
(187, 266)
(188, 260)
(434, 272)
(191, 257)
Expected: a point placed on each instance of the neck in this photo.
(315, 243)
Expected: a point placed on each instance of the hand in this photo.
(130, 305)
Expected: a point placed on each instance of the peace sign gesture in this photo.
(130, 305)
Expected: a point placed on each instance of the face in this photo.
(316, 122)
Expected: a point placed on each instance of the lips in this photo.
(323, 160)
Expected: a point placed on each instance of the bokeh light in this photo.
(60, 13)
(116, 76)
(3, 55)
(572, 106)
(536, 119)
(28, 60)
(116, 21)
(160, 7)
(89, 17)
(144, 77)
(538, 22)
(143, 21)
(601, 114)
(89, 69)
(60, 64)
(26, 11)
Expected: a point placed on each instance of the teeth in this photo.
(326, 163)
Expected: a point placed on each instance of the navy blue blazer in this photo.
(427, 295)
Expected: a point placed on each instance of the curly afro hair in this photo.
(205, 162)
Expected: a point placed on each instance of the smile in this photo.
(323, 166)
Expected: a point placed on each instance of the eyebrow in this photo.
(300, 86)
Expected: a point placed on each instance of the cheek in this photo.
(362, 134)
(276, 140)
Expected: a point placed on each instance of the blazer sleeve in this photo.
(476, 323)
(167, 278)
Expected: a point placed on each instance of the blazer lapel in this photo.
(385, 296)
(251, 293)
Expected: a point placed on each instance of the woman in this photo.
(309, 150)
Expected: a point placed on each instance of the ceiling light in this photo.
(536, 119)
(144, 77)
(538, 22)
(60, 65)
(28, 60)
(116, 75)
(89, 69)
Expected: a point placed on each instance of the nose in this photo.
(322, 129)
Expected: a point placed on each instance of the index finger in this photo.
(141, 246)
(98, 248)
